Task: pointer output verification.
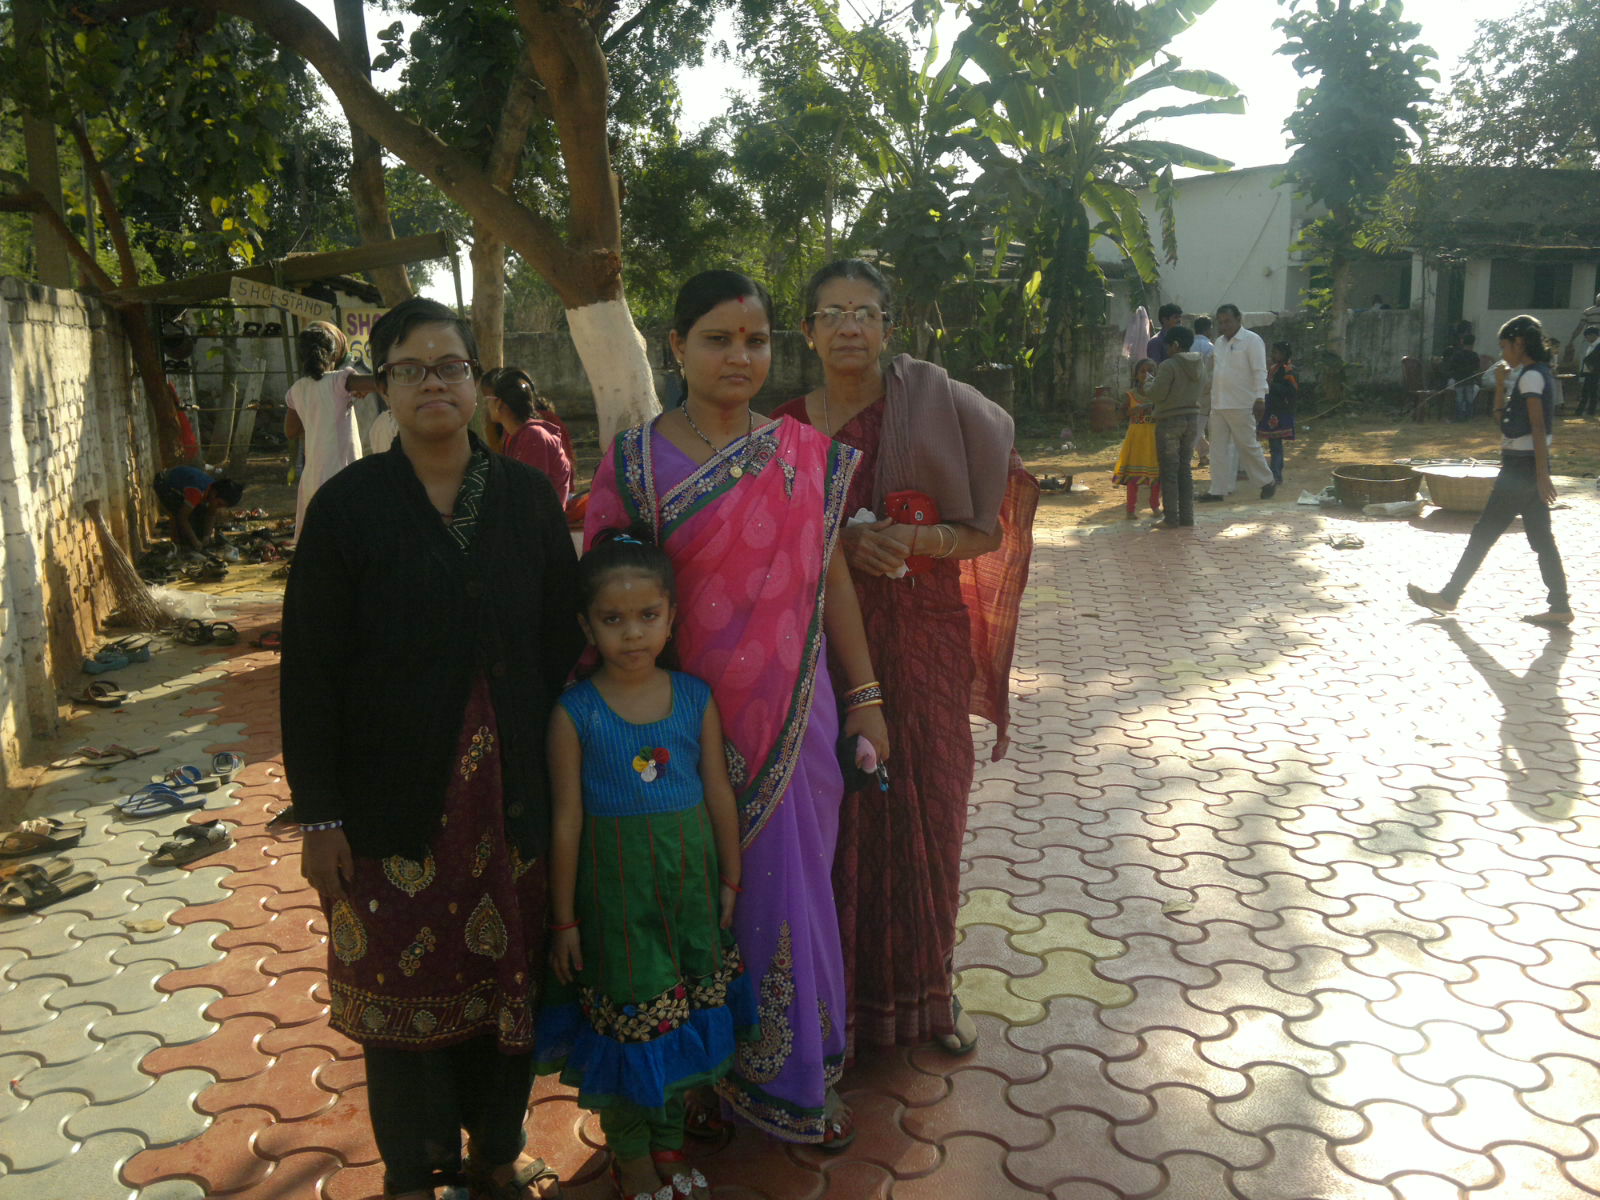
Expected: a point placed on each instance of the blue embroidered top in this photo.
(632, 770)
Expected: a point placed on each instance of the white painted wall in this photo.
(1234, 231)
(73, 427)
(1557, 322)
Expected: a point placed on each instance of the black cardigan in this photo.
(385, 626)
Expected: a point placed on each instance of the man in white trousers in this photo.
(1238, 398)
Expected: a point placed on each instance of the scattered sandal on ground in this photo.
(157, 800)
(102, 693)
(272, 639)
(39, 834)
(193, 842)
(34, 886)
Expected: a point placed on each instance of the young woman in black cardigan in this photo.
(428, 627)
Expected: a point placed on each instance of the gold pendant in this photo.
(736, 472)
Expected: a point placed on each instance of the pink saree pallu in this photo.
(750, 534)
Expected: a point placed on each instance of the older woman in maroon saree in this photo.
(942, 641)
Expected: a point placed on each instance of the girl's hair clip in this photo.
(626, 540)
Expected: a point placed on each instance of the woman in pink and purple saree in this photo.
(749, 510)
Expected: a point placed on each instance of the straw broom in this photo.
(136, 604)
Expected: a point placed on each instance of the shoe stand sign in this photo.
(249, 291)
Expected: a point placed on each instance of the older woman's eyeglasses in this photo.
(410, 374)
(834, 316)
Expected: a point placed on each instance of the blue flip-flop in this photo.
(180, 779)
(106, 660)
(157, 800)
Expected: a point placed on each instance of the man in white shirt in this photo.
(1238, 399)
(1202, 346)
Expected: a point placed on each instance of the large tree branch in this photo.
(516, 119)
(618, 35)
(572, 67)
(109, 209)
(28, 198)
(531, 233)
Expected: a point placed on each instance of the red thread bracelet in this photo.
(563, 928)
(737, 890)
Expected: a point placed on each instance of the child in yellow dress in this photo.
(1136, 463)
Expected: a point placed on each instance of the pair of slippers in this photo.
(118, 654)
(94, 756)
(40, 834)
(192, 842)
(102, 693)
(180, 789)
(195, 632)
(34, 885)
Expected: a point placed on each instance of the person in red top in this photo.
(532, 432)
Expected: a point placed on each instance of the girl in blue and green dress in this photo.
(649, 995)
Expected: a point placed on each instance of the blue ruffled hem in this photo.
(648, 1074)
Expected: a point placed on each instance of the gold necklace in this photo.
(750, 424)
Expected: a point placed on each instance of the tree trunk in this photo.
(51, 258)
(585, 266)
(489, 295)
(367, 191)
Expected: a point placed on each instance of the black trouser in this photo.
(1515, 494)
(1589, 404)
(421, 1100)
(1175, 438)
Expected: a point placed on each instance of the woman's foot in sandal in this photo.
(1554, 619)
(964, 1040)
(687, 1182)
(838, 1124)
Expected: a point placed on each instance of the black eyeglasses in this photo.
(411, 374)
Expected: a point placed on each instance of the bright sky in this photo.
(1235, 38)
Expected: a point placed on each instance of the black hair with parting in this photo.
(398, 323)
(631, 549)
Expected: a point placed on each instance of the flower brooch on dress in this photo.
(651, 763)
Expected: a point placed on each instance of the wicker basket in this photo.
(1461, 488)
(1372, 483)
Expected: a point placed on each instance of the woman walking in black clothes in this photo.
(428, 627)
(1524, 401)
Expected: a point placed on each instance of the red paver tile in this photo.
(232, 1052)
(221, 1156)
(342, 1128)
(238, 974)
(288, 1087)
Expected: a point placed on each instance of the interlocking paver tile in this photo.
(84, 1172)
(1301, 1166)
(1184, 1121)
(1399, 1140)
(1493, 1115)
(1496, 981)
(1528, 1171)
(1083, 1150)
(36, 1137)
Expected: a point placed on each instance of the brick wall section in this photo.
(73, 427)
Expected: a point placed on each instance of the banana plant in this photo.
(1059, 131)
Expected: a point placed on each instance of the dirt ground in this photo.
(1309, 460)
